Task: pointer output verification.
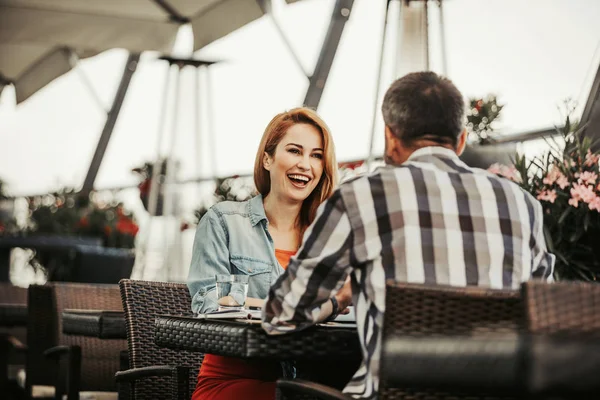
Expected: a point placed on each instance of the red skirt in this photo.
(229, 378)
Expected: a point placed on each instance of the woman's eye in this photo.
(294, 151)
(318, 155)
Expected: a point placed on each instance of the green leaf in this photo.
(564, 215)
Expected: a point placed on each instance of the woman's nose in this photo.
(304, 163)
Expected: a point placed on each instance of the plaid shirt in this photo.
(432, 220)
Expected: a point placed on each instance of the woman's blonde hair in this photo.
(273, 134)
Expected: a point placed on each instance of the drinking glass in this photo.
(232, 291)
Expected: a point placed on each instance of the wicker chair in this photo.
(92, 362)
(414, 310)
(563, 309)
(565, 316)
(12, 338)
(155, 372)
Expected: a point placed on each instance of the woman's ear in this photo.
(267, 161)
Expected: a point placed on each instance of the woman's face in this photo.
(297, 165)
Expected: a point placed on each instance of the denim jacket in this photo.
(232, 238)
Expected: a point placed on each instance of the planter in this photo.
(72, 259)
(102, 265)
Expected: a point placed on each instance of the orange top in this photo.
(219, 374)
(283, 256)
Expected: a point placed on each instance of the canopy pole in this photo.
(339, 17)
(113, 114)
(378, 83)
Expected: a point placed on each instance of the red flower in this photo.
(127, 226)
(184, 226)
(144, 187)
(479, 105)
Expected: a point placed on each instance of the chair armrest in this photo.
(73, 377)
(298, 386)
(13, 343)
(180, 377)
(134, 374)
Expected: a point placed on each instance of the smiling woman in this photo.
(294, 172)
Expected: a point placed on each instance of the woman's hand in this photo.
(254, 302)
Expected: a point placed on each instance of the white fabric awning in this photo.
(37, 36)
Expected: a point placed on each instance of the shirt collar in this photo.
(432, 151)
(256, 210)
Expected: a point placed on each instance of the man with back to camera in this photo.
(426, 217)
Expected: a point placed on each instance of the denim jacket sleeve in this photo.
(210, 256)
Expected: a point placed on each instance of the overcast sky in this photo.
(532, 54)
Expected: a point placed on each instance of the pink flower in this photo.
(595, 204)
(591, 159)
(582, 193)
(495, 168)
(573, 202)
(552, 176)
(547, 195)
(562, 182)
(588, 178)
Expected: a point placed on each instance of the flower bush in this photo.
(481, 114)
(566, 182)
(69, 214)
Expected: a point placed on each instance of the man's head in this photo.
(422, 109)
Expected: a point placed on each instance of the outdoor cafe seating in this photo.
(438, 342)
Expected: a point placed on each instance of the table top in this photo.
(247, 339)
(102, 324)
(13, 314)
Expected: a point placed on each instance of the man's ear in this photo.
(462, 142)
(267, 161)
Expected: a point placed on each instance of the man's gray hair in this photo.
(423, 105)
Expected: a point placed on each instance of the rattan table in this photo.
(247, 339)
(327, 355)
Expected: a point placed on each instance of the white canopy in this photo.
(39, 37)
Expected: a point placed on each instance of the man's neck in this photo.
(404, 153)
(282, 215)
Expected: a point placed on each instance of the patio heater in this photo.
(170, 207)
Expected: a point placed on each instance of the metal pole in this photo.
(197, 127)
(443, 39)
(113, 114)
(378, 83)
(209, 122)
(339, 17)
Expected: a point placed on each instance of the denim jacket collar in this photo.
(256, 210)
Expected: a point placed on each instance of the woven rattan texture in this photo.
(248, 340)
(10, 294)
(100, 357)
(42, 333)
(419, 310)
(143, 302)
(564, 308)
